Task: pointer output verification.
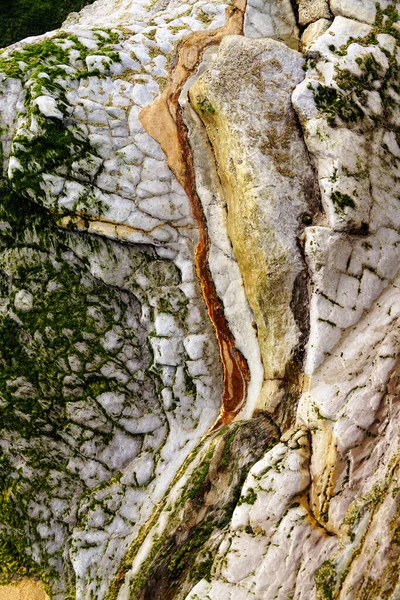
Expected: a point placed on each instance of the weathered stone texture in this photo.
(244, 100)
(271, 19)
(106, 349)
(312, 10)
(172, 194)
(313, 31)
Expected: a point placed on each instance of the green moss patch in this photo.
(54, 357)
(45, 145)
(342, 201)
(348, 100)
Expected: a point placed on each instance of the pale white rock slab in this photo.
(351, 396)
(249, 124)
(269, 19)
(48, 107)
(222, 262)
(23, 300)
(357, 176)
(313, 32)
(347, 280)
(269, 540)
(364, 501)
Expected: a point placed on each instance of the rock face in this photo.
(107, 350)
(311, 11)
(199, 324)
(24, 589)
(244, 99)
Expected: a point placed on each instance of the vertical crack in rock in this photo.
(163, 121)
(110, 370)
(223, 266)
(349, 110)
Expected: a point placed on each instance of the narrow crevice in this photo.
(295, 9)
(204, 513)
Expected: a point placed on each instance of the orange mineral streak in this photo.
(163, 121)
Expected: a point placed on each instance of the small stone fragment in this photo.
(23, 300)
(311, 11)
(313, 32)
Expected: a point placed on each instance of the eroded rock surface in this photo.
(102, 343)
(274, 20)
(199, 224)
(329, 544)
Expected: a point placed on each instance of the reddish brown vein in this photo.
(163, 121)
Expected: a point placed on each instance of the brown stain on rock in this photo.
(163, 121)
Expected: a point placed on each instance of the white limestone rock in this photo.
(23, 300)
(354, 478)
(311, 516)
(268, 529)
(348, 403)
(269, 19)
(48, 107)
(354, 177)
(313, 32)
(222, 262)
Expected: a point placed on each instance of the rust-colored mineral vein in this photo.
(163, 121)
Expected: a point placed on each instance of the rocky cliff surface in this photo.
(199, 303)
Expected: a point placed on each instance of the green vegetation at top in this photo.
(22, 18)
(53, 145)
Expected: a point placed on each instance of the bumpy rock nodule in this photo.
(113, 483)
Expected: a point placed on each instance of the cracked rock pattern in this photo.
(348, 108)
(110, 367)
(335, 534)
(273, 20)
(200, 224)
